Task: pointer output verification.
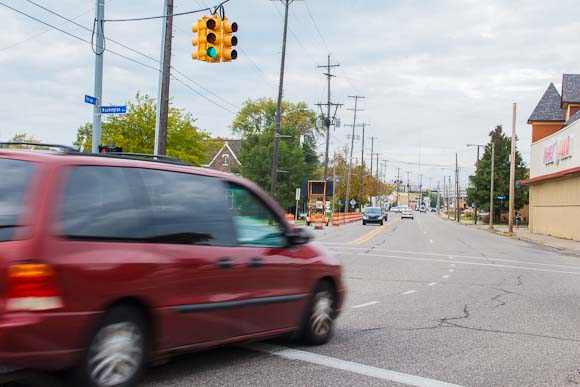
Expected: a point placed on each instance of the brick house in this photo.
(226, 156)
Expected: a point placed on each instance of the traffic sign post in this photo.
(297, 199)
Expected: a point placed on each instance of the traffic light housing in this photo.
(214, 39)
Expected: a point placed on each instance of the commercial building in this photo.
(555, 166)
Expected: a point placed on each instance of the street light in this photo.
(477, 166)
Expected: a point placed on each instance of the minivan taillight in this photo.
(32, 287)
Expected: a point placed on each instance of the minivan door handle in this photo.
(225, 263)
(256, 263)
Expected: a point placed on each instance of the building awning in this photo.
(550, 176)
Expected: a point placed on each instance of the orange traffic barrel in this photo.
(290, 218)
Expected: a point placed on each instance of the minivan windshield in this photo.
(15, 176)
(372, 211)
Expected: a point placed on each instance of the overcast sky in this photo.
(436, 74)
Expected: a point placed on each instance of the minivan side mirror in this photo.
(299, 236)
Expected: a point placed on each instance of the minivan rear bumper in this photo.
(44, 341)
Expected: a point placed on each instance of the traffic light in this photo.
(214, 39)
(228, 40)
(208, 31)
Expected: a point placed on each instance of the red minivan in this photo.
(108, 262)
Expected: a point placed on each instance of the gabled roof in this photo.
(571, 88)
(549, 108)
(232, 145)
(573, 119)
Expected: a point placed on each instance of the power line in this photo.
(117, 54)
(296, 36)
(316, 25)
(220, 5)
(207, 90)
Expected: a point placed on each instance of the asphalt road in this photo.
(431, 303)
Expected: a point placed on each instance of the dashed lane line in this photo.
(349, 366)
(432, 284)
(445, 276)
(365, 304)
(408, 292)
(451, 270)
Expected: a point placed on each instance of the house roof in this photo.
(232, 145)
(571, 88)
(549, 108)
(573, 119)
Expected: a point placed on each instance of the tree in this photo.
(135, 132)
(482, 177)
(297, 158)
(25, 137)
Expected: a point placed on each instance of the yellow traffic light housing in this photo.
(214, 39)
(208, 31)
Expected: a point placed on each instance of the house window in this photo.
(226, 159)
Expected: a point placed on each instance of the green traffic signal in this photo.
(212, 52)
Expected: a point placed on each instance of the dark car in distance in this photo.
(108, 262)
(373, 215)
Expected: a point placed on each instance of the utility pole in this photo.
(512, 173)
(457, 217)
(362, 171)
(398, 182)
(160, 147)
(438, 197)
(477, 167)
(327, 120)
(99, 52)
(372, 150)
(491, 188)
(274, 172)
(384, 174)
(408, 183)
(377, 177)
(333, 181)
(356, 109)
(448, 195)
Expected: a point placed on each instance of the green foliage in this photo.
(135, 132)
(482, 176)
(24, 137)
(255, 124)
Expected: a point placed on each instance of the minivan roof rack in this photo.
(63, 148)
(146, 156)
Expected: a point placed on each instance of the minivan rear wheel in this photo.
(117, 351)
(318, 323)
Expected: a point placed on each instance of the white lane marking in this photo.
(432, 284)
(408, 292)
(445, 276)
(468, 257)
(452, 265)
(430, 240)
(366, 304)
(451, 270)
(339, 364)
(471, 263)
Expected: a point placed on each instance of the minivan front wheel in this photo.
(116, 354)
(319, 320)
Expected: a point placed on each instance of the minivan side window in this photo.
(187, 209)
(255, 223)
(15, 178)
(99, 203)
(145, 205)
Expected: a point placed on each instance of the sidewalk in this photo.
(565, 245)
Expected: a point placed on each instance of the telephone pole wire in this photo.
(162, 114)
(356, 109)
(99, 52)
(328, 121)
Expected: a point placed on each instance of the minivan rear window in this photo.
(15, 177)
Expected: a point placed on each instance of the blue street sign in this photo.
(501, 197)
(113, 109)
(340, 201)
(91, 100)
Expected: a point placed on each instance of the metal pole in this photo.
(274, 172)
(512, 174)
(475, 207)
(377, 179)
(160, 147)
(491, 188)
(448, 194)
(347, 204)
(333, 181)
(362, 171)
(99, 52)
(398, 182)
(457, 217)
